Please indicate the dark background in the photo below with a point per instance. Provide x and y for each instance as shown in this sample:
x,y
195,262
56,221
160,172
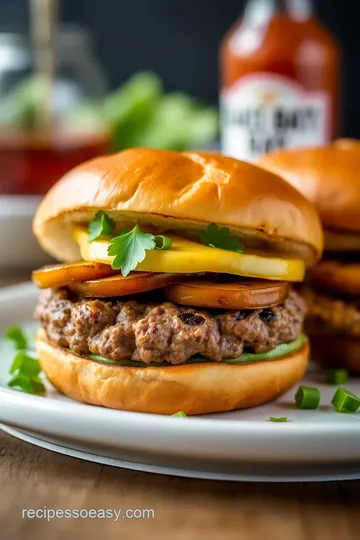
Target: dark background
x,y
179,40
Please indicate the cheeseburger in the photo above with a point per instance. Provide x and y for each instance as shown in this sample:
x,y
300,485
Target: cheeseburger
x,y
175,288
329,177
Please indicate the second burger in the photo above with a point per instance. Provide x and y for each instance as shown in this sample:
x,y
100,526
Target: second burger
x,y
329,177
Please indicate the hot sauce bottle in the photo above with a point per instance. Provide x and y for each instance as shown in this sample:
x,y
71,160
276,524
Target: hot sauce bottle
x,y
280,78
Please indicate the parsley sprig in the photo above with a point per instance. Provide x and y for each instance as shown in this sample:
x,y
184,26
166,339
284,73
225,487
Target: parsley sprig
x,y
101,225
26,371
129,248
25,368
220,237
17,336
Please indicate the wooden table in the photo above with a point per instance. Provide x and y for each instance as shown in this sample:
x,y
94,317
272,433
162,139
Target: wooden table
x,y
32,478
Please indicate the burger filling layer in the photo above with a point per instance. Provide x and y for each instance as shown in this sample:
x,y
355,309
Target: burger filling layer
x,y
333,296
165,332
327,313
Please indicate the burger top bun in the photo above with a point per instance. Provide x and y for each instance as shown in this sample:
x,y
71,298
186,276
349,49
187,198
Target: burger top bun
x,y
180,193
328,176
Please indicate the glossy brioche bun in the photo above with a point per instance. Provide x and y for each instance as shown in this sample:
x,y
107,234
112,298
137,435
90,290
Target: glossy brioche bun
x,y
180,193
327,176
334,351
193,388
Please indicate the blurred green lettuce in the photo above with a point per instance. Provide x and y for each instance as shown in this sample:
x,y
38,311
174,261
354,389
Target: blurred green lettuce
x,y
142,114
139,113
18,109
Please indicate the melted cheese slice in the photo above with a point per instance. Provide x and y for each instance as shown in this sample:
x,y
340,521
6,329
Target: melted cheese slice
x,y
188,257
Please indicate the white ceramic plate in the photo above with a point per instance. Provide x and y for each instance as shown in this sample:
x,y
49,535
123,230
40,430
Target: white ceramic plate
x,y
18,246
243,445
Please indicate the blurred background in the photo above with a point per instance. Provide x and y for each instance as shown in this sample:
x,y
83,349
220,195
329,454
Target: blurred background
x,y
79,78
179,40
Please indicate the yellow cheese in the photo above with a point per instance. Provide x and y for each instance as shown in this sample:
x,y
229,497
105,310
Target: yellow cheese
x,y
187,257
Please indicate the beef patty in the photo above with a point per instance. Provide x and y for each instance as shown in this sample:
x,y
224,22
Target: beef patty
x,y
127,329
331,314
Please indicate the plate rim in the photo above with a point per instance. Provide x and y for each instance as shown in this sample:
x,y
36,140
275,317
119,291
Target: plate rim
x,y
171,471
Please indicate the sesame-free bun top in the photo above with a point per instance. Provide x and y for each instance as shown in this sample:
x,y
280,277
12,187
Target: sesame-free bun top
x,y
180,193
328,176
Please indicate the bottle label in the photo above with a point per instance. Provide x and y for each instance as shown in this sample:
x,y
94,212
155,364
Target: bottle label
x,y
265,111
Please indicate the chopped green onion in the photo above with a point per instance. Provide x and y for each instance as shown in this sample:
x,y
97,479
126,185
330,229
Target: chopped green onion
x,y
17,336
337,376
345,401
278,419
162,242
307,397
181,414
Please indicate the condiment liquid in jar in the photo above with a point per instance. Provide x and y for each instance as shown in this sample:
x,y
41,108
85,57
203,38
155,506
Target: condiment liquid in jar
x,y
36,149
280,78
31,162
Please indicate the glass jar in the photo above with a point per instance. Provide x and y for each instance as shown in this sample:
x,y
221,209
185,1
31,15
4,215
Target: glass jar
x,y
32,156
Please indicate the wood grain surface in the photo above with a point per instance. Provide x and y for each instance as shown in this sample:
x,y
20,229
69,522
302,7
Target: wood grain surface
x,y
32,478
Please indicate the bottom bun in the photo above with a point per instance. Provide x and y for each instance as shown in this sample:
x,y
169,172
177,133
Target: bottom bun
x,y
336,351
192,388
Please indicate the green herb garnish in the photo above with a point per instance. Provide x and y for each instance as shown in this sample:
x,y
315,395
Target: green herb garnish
x,y
26,370
220,237
162,242
101,225
28,385
337,376
25,364
181,414
17,336
278,419
307,397
345,401
129,248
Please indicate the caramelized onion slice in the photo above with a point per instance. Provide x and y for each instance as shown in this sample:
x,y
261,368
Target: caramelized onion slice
x,y
134,283
239,294
59,275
